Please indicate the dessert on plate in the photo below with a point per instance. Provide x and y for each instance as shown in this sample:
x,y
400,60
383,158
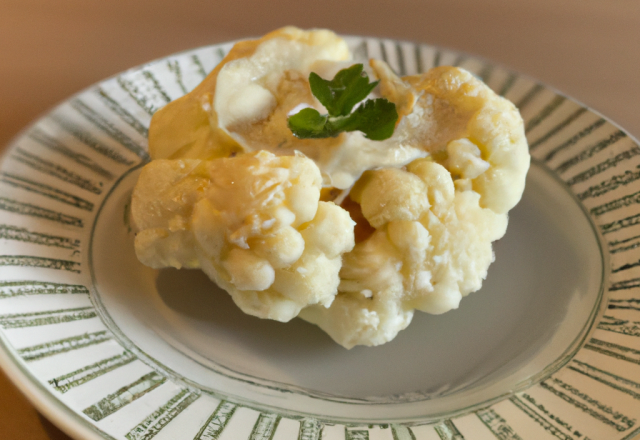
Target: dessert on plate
x,y
304,189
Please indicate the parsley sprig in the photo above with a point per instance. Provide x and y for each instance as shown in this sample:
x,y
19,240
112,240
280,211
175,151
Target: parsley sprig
x,y
376,118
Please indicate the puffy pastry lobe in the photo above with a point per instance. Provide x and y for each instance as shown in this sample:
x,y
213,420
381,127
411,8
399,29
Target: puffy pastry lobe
x,y
431,247
200,124
253,223
463,111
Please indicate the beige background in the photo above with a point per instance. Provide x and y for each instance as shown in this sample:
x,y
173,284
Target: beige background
x,y
589,49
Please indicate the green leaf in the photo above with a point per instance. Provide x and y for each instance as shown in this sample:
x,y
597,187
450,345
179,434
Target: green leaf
x,y
322,91
308,123
344,91
376,118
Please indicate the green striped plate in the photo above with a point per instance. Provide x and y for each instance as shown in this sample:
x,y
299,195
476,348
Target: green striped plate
x,y
109,349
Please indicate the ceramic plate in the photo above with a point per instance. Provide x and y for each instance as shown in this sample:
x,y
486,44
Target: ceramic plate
x,y
107,348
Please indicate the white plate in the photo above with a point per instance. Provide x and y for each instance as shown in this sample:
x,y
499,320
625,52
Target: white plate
x,y
548,349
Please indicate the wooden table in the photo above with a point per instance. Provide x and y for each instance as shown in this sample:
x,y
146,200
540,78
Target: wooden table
x,y
49,50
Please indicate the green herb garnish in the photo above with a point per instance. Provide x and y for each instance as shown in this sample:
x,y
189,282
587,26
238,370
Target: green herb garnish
x,y
376,118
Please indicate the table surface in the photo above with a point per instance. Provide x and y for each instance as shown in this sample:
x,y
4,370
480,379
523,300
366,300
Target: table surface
x,y
587,49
